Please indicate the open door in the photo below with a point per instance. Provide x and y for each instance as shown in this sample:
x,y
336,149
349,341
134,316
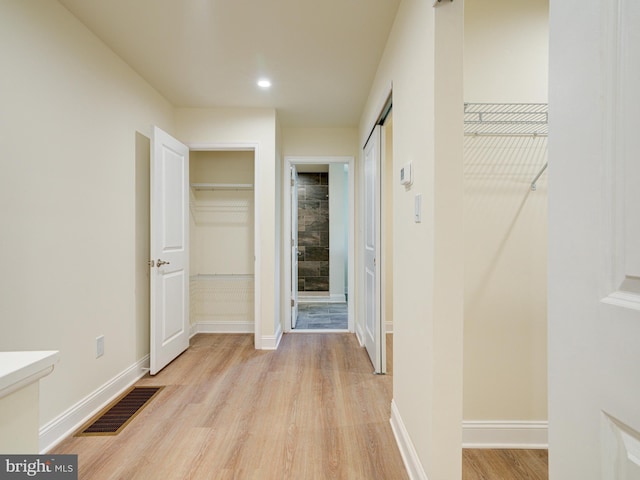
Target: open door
x,y
374,338
594,242
294,246
169,249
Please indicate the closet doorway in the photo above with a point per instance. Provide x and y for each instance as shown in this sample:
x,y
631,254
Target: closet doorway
x,y
505,224
222,241
318,226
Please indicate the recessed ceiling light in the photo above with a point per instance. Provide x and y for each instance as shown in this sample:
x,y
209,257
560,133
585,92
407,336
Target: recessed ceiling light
x,y
264,83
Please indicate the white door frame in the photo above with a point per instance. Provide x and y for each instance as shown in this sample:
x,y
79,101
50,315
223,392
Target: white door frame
x,y
302,160
385,107
247,147
373,326
294,251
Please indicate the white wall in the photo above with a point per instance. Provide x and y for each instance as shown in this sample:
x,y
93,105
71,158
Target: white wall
x,y
70,113
423,61
505,281
338,245
257,126
318,142
506,50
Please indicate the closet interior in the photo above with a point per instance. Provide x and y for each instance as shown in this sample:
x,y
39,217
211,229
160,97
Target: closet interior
x,y
505,158
222,241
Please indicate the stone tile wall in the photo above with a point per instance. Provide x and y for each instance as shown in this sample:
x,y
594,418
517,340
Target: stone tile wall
x,y
313,232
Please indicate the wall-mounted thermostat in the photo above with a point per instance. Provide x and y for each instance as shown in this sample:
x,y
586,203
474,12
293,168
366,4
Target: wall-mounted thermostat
x,y
405,174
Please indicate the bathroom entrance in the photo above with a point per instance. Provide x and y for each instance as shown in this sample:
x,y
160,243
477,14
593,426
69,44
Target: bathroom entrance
x,y
319,207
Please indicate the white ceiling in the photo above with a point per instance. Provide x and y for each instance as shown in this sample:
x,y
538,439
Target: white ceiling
x,y
321,55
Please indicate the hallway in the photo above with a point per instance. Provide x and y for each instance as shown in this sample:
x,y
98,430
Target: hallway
x,y
310,410
322,316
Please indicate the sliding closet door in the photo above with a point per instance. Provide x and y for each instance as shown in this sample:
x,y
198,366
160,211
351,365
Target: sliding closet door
x,y
373,333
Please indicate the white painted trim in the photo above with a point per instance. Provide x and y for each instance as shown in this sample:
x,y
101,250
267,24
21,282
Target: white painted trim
x,y
407,450
286,231
222,326
70,420
271,342
360,333
623,299
505,434
388,327
257,241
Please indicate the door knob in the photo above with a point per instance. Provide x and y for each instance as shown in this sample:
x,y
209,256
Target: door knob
x,y
159,263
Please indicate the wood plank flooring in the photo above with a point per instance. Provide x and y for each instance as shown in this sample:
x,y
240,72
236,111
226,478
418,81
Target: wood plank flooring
x,y
310,410
505,464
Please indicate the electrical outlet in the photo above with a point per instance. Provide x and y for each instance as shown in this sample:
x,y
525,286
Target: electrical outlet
x,y
99,346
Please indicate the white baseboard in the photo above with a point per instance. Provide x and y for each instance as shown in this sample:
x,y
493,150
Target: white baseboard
x,y
271,342
69,421
334,298
504,434
407,450
222,326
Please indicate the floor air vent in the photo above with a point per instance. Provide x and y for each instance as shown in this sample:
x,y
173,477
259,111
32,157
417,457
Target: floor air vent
x,y
117,415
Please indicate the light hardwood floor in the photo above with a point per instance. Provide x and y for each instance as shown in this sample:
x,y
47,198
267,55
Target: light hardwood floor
x,y
310,410
505,464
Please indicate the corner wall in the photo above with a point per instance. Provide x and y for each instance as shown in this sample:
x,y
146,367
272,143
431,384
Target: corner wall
x,y
423,62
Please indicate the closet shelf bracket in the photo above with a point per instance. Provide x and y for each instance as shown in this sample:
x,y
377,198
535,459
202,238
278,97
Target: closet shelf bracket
x,y
535,180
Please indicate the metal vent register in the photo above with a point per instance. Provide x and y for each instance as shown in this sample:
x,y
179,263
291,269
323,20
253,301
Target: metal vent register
x,y
117,415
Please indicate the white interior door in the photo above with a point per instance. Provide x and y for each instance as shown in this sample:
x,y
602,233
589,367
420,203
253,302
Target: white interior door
x,y
169,249
594,248
373,332
294,246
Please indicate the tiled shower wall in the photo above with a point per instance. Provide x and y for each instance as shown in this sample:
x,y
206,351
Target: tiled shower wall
x,y
313,232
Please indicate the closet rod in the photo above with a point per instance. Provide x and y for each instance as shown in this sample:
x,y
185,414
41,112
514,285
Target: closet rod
x,y
221,186
533,184
477,134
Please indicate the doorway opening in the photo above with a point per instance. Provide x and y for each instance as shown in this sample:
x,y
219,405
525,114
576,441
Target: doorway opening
x,y
222,236
318,220
505,224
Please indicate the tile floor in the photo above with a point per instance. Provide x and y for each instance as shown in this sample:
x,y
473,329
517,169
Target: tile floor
x,y
321,316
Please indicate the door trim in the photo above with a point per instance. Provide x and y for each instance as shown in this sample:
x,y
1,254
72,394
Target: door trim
x,y
286,232
255,148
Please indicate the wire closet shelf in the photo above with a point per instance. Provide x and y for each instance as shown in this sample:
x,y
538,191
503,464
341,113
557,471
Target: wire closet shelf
x,y
506,119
